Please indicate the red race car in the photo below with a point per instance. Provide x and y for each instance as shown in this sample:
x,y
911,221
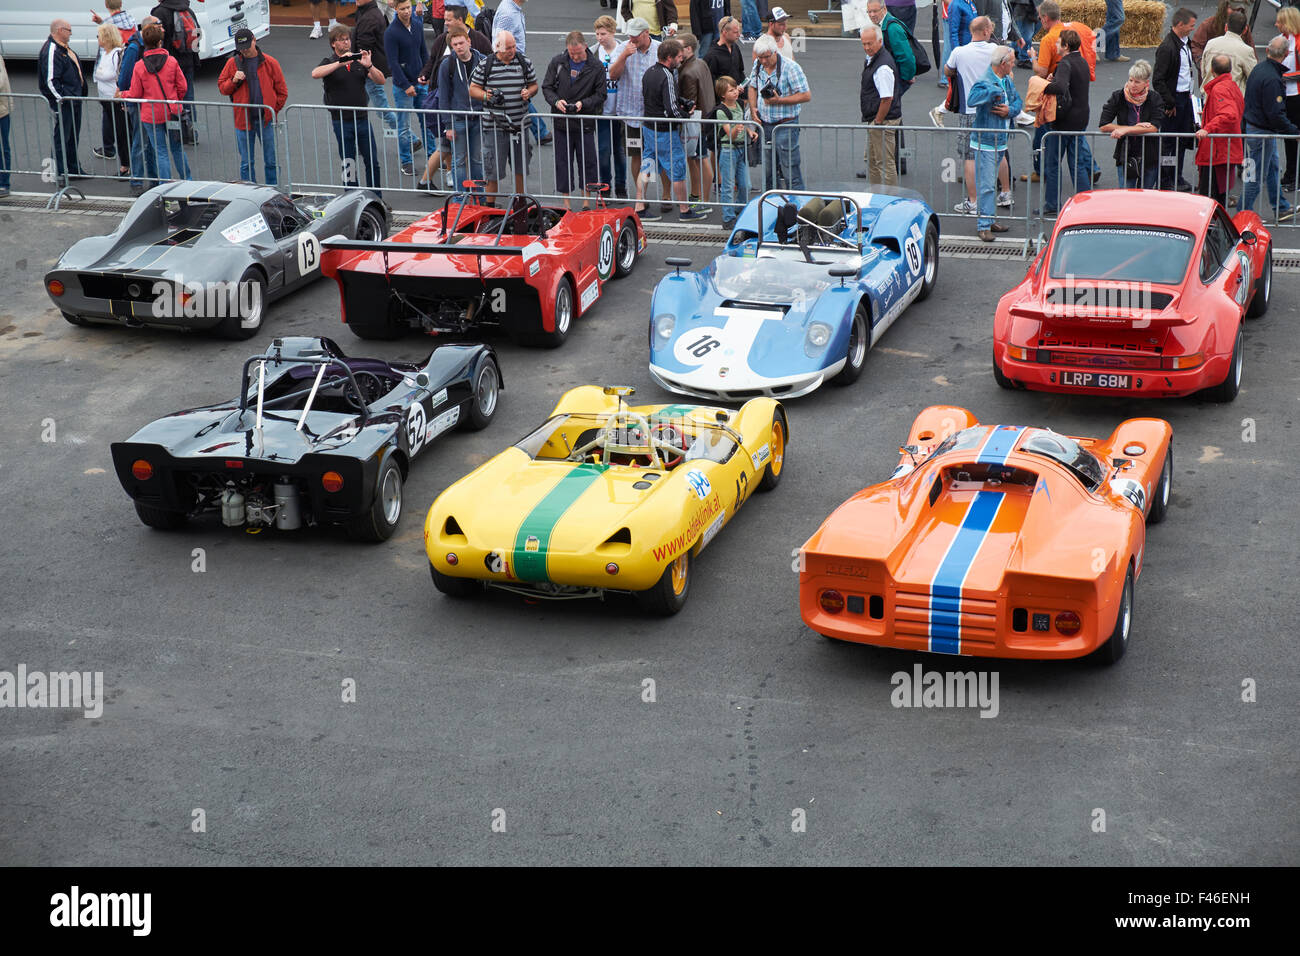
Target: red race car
x,y
1139,292
527,268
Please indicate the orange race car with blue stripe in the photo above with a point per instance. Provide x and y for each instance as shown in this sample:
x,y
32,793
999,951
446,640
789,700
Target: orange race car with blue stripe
x,y
993,541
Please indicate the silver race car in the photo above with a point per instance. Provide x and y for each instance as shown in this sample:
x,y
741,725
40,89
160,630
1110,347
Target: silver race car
x,y
207,255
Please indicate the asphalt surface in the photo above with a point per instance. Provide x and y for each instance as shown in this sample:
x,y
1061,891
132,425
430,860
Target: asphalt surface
x,y
225,687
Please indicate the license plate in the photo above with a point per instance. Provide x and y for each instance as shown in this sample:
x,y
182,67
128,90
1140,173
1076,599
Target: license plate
x,y
235,27
1094,380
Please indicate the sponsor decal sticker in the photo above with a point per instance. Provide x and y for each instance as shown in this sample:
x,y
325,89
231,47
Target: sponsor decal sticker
x,y
680,542
699,483
447,420
713,530
760,457
589,295
531,543
245,229
533,267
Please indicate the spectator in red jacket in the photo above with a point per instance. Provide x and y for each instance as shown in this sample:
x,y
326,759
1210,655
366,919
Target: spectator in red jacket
x,y
158,78
251,76
1217,158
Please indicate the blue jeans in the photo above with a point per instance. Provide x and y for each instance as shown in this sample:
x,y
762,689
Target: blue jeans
x,y
540,129
244,139
405,135
611,144
986,185
1262,156
1078,157
1026,28
352,133
782,148
1110,29
165,141
1145,181
6,159
378,94
706,41
905,13
733,181
466,151
751,24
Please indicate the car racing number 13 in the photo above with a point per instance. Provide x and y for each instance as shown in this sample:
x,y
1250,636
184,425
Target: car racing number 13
x,y
308,253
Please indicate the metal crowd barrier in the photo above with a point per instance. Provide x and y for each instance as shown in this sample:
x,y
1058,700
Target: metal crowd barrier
x,y
1164,160
313,151
928,159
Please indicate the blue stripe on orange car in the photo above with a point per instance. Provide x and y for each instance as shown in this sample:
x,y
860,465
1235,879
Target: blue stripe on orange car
x,y
534,535
1001,441
945,588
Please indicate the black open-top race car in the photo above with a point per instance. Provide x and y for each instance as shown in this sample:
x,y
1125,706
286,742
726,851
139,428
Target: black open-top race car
x,y
313,437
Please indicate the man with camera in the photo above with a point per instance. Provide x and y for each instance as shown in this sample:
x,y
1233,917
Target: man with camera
x,y
575,86
777,91
504,83
344,76
661,142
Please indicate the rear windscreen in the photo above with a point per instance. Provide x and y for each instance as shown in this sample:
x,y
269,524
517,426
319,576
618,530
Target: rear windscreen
x,y
1121,253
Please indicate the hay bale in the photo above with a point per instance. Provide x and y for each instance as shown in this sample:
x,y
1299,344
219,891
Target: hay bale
x,y
1144,24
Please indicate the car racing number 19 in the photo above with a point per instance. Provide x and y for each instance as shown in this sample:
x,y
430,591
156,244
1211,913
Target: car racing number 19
x,y
912,250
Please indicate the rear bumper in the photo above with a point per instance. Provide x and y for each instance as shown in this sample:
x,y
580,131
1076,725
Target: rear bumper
x,y
986,628
1144,383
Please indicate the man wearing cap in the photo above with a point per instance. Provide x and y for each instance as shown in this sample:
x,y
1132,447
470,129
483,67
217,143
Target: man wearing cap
x,y
627,67
251,76
776,30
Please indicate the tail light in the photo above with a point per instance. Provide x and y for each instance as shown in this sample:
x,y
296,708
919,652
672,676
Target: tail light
x,y
142,470
1068,623
55,287
611,568
332,481
1186,361
452,559
832,602
1019,353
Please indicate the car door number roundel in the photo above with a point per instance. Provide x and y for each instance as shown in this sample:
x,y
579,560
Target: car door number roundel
x,y
605,254
415,427
912,250
308,253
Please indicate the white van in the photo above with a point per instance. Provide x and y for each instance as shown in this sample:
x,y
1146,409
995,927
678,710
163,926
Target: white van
x,y
25,26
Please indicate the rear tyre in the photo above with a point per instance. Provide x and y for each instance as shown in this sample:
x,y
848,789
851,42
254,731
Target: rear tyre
x,y
859,342
776,461
625,254
1263,286
159,518
75,319
668,596
379,326
243,323
371,226
487,391
1114,649
1002,380
1227,390
1161,503
379,523
931,265
563,313
452,587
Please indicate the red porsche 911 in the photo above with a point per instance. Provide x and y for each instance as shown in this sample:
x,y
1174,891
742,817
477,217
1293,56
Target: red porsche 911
x,y
1139,292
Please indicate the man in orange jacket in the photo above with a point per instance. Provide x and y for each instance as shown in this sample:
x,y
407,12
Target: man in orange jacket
x,y
252,76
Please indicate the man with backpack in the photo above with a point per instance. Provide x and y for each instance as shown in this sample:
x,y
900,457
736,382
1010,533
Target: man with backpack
x,y
898,41
464,133
158,79
181,39
504,83
254,77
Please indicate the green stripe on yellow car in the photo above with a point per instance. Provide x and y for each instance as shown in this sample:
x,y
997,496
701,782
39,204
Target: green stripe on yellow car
x,y
534,535
673,411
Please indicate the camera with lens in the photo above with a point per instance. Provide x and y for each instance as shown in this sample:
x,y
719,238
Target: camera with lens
x,y
686,106
350,57
495,100
768,91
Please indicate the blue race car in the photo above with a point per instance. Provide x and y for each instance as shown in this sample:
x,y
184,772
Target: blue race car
x,y
808,282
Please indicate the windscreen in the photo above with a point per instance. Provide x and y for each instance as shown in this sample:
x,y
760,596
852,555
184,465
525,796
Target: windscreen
x,y
1083,464
758,280
1122,253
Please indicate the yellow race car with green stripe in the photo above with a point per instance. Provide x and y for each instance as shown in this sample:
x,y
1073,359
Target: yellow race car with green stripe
x,y
605,497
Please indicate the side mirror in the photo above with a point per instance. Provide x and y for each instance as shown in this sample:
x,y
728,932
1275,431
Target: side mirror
x,y
422,380
842,273
1248,237
678,263
909,450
